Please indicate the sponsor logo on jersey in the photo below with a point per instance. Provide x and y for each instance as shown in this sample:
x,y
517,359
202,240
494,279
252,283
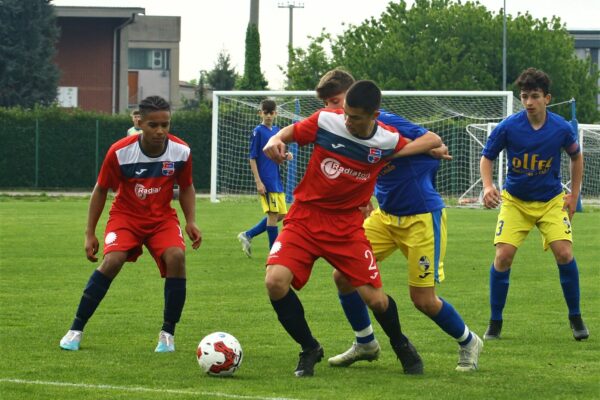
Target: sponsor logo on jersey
x,y
374,155
337,145
168,168
332,168
141,191
141,171
531,165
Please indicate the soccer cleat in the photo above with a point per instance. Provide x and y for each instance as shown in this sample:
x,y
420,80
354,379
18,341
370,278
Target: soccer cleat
x,y
245,241
308,359
468,355
580,331
358,352
166,343
71,340
411,361
493,330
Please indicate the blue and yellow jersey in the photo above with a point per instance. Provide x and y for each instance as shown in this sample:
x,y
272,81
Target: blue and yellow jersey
x,y
533,156
267,169
406,186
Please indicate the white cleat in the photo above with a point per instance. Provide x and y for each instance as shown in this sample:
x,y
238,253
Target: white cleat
x,y
245,241
71,340
358,352
468,355
166,343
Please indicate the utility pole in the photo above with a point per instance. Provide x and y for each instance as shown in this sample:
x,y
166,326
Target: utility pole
x,y
254,12
291,5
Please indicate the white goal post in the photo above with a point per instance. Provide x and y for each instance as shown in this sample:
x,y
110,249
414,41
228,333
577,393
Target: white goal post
x,y
447,113
463,119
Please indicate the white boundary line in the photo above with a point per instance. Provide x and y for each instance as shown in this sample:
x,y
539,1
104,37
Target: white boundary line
x,y
139,389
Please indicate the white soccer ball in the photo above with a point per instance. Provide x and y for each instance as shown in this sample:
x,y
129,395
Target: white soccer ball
x,y
219,354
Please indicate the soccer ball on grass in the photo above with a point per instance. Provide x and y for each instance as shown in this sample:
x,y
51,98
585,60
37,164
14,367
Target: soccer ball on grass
x,y
219,354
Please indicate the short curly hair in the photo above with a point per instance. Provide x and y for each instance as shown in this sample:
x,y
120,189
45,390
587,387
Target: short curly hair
x,y
532,79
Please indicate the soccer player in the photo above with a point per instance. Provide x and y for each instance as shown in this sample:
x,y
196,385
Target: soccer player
x,y
142,171
411,218
135,118
267,177
350,148
533,194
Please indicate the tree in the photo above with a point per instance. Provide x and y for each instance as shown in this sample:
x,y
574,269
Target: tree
x,y
222,76
253,78
447,45
28,75
307,66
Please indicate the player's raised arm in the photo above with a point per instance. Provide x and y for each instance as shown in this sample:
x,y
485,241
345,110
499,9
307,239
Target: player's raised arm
x,y
420,145
275,148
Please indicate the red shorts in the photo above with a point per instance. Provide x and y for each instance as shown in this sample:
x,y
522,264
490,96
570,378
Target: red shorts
x,y
123,233
309,233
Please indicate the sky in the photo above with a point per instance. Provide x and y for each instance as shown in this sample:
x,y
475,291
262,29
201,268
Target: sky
x,y
210,26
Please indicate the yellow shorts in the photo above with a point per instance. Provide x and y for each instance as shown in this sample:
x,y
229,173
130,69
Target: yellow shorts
x,y
273,202
517,217
421,237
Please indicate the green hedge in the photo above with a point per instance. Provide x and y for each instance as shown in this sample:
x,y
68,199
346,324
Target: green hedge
x,y
50,148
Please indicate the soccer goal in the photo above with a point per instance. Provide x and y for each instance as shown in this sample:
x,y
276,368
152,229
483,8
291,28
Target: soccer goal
x,y
455,116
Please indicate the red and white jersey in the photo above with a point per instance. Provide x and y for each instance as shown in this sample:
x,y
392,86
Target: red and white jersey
x,y
144,184
342,169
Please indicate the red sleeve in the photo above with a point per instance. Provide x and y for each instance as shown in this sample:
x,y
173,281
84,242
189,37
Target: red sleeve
x,y
110,173
401,143
185,176
305,131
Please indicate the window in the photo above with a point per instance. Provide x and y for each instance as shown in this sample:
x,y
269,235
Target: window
x,y
149,59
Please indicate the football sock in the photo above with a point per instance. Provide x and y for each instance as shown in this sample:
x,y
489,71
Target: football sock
x,y
498,291
93,294
272,231
291,315
257,229
174,300
357,314
569,280
452,323
390,322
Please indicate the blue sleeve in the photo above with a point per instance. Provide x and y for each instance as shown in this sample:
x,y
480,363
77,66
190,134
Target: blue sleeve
x,y
254,144
405,127
571,141
495,143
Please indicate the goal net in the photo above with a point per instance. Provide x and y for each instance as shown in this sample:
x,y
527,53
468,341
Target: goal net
x,y
455,116
463,120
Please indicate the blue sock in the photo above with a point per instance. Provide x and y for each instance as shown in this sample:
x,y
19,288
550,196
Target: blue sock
x,y
498,291
357,314
175,292
452,323
257,229
272,231
93,294
569,280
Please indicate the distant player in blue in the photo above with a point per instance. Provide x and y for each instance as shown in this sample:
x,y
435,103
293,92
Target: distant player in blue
x,y
411,218
533,194
267,177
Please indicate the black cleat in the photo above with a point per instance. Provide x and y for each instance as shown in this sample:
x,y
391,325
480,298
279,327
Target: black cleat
x,y
493,330
411,361
580,331
308,359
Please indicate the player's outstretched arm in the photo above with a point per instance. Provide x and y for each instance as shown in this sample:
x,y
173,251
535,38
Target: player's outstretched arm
x,y
570,200
97,201
275,148
491,195
187,200
420,145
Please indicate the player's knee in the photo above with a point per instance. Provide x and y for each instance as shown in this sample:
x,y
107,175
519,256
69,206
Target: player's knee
x,y
342,284
174,259
112,264
503,262
563,256
276,284
378,304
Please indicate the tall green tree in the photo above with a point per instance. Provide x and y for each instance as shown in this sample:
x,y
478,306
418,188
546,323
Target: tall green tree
x,y
28,75
223,75
253,78
448,45
308,65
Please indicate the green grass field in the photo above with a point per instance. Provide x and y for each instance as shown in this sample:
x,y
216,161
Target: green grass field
x,y
43,271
